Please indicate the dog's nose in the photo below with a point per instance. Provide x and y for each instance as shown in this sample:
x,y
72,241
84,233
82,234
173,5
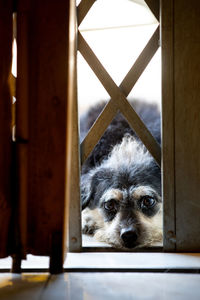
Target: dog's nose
x,y
129,237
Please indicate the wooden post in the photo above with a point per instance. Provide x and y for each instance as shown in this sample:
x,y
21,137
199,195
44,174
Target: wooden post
x,y
16,263
43,37
181,124
168,185
48,65
73,224
5,123
22,116
187,123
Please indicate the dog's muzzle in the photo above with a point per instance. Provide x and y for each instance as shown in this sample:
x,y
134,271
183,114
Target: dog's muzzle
x,y
129,236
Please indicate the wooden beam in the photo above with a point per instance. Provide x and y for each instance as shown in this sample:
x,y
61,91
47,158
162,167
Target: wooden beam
x,y
187,123
73,222
16,263
123,105
5,123
154,6
22,115
48,24
141,63
83,8
98,129
168,129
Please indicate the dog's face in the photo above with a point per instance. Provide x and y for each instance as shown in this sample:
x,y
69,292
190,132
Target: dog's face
x,y
122,199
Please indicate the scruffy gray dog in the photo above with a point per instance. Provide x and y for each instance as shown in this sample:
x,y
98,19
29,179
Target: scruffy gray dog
x,y
121,183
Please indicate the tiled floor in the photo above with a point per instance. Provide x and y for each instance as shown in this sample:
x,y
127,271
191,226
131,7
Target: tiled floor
x,y
88,286
104,284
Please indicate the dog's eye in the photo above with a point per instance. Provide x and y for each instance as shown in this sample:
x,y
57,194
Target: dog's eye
x,y
147,202
111,205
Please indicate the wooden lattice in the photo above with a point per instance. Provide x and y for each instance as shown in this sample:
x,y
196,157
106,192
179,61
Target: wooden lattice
x,y
118,95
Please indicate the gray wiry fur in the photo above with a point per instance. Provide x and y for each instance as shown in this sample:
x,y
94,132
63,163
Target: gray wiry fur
x,y
127,178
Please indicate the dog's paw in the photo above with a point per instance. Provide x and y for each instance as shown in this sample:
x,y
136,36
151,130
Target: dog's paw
x,y
89,221
88,226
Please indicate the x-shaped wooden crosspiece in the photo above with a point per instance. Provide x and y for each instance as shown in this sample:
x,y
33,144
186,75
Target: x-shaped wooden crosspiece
x,y
118,101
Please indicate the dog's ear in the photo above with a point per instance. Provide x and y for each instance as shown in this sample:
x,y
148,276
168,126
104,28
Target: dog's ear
x,y
86,189
90,187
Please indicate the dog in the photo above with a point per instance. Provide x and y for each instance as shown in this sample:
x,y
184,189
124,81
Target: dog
x,y
121,183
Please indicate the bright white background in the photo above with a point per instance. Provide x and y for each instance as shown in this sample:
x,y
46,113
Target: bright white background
x,y
117,31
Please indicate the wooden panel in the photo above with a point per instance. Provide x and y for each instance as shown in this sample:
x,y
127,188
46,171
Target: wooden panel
x,y
73,222
22,126
124,106
5,122
47,95
168,185
187,123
